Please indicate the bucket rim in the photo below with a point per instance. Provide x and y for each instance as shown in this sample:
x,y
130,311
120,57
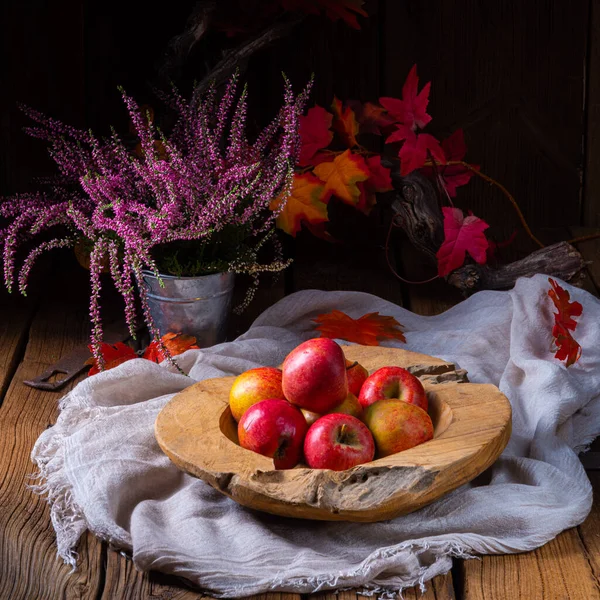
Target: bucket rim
x,y
147,273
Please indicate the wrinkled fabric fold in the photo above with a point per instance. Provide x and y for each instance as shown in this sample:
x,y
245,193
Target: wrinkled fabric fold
x,y
103,470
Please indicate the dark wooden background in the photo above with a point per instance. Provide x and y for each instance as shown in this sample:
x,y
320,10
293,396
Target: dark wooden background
x,y
521,78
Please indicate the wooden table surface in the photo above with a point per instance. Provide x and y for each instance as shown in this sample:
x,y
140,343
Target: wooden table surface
x,y
34,334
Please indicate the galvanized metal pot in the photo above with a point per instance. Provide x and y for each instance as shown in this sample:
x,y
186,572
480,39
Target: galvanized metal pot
x,y
197,306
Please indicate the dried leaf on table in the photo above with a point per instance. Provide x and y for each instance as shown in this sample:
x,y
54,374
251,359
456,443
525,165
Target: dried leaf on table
x,y
176,343
113,354
367,330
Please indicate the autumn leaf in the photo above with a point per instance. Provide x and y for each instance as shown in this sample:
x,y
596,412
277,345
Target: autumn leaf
x,y
379,181
461,235
567,348
342,175
415,148
346,10
371,117
367,330
113,354
345,123
307,203
315,133
176,343
453,176
411,110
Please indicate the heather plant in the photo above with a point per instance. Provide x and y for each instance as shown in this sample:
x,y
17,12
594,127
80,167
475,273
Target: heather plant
x,y
192,202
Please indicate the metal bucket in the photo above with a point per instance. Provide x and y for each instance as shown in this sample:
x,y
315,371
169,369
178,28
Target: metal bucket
x,y
197,306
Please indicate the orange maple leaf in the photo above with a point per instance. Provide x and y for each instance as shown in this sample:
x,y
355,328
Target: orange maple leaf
x,y
307,203
366,331
113,354
176,343
344,123
342,175
567,348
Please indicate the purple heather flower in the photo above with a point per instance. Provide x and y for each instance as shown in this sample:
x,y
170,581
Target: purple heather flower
x,y
185,186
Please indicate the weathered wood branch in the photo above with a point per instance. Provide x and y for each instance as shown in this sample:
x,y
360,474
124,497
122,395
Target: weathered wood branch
x,y
559,260
237,57
417,211
181,45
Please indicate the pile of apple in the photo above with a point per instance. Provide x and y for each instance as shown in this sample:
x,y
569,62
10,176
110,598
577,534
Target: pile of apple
x,y
328,409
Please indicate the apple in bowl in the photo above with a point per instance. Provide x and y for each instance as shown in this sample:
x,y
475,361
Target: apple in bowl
x,y
397,425
276,429
338,442
252,386
393,382
314,375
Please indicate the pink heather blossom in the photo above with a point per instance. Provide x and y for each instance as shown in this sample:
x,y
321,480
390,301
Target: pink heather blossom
x,y
204,176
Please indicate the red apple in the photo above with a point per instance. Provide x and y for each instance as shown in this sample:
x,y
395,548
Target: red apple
x,y
253,386
397,425
357,375
338,442
393,382
276,429
314,375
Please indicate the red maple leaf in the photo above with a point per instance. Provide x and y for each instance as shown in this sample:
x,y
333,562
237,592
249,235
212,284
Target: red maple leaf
x,y
176,343
334,9
567,348
345,123
113,354
379,181
411,111
367,330
371,117
415,148
453,176
461,235
315,133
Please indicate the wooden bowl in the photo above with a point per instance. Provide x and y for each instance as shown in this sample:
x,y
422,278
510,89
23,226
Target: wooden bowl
x,y
472,425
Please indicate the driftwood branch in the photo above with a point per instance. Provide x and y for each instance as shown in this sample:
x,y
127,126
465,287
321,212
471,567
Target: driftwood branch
x,y
417,210
559,260
181,45
237,57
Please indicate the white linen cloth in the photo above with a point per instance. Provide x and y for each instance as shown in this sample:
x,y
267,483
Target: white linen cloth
x,y
103,470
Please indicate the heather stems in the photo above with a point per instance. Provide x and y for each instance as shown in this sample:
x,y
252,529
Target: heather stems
x,y
130,206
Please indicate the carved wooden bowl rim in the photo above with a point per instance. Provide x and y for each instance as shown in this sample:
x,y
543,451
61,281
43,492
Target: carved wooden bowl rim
x,y
472,426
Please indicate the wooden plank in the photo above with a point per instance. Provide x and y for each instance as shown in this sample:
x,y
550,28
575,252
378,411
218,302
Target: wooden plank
x,y
511,74
589,530
15,320
560,569
29,567
591,180
123,581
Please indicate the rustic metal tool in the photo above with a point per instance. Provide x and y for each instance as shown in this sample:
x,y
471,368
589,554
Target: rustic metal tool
x,y
74,363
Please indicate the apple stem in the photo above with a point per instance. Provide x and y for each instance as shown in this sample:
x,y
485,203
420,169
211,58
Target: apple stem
x,y
352,365
342,436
